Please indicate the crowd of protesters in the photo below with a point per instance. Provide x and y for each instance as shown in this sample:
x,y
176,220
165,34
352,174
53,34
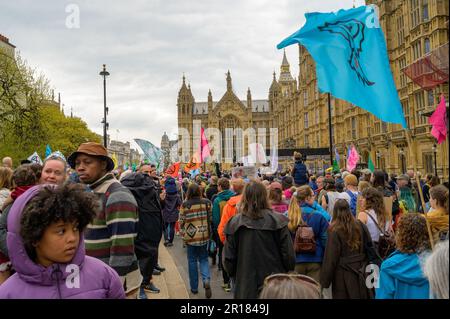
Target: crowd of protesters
x,y
342,235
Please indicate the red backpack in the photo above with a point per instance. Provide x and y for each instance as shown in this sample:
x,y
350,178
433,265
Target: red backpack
x,y
305,241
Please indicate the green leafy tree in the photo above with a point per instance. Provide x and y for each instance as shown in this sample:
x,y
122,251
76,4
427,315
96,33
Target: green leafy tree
x,y
22,92
29,119
64,133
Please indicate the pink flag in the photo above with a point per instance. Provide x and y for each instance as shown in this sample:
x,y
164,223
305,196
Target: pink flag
x,y
437,120
352,159
204,146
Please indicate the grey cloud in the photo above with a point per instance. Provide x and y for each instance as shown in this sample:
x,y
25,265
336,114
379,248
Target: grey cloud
x,y
147,45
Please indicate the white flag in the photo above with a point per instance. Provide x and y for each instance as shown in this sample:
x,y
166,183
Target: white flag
x,y
257,153
35,158
274,160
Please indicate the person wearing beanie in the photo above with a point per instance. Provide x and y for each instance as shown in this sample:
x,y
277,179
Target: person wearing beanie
x,y
110,237
351,188
171,205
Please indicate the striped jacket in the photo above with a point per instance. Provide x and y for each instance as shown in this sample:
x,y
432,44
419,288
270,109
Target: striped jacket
x,y
194,219
110,236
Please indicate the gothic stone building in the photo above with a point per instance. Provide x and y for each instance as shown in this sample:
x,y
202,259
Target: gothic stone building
x,y
230,113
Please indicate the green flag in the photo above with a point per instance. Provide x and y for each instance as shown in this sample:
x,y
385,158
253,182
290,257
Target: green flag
x,y
370,164
336,168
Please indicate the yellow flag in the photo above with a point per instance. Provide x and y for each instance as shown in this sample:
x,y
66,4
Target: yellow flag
x,y
114,158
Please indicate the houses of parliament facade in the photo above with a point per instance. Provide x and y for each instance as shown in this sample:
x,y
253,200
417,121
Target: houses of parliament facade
x,y
416,33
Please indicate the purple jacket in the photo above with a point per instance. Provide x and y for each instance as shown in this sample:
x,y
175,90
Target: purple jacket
x,y
84,278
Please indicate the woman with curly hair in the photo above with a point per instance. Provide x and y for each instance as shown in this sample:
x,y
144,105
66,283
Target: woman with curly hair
x,y
401,275
46,247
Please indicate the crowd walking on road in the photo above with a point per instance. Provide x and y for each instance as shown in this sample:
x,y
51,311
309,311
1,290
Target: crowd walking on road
x,y
77,222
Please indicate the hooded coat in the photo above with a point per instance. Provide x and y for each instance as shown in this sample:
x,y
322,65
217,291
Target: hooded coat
x,y
255,249
438,221
300,173
401,277
229,210
219,202
343,266
150,225
171,209
83,278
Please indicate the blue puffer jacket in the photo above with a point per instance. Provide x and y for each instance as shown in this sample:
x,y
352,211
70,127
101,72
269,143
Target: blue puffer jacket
x,y
300,173
401,277
318,223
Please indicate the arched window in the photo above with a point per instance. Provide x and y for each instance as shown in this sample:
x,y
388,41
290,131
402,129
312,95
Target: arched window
x,y
229,140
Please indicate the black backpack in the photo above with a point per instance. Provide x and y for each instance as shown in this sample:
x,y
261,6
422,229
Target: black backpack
x,y
386,242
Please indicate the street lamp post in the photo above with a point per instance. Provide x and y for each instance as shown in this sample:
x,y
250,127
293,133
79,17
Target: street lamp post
x,y
330,133
104,73
434,148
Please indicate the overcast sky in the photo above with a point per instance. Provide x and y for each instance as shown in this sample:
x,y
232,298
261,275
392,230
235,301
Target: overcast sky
x,y
147,45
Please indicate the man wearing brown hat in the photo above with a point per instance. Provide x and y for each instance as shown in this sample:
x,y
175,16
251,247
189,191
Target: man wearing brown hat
x,y
110,237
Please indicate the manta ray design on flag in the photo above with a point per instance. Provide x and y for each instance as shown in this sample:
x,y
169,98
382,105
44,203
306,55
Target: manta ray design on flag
x,y
351,59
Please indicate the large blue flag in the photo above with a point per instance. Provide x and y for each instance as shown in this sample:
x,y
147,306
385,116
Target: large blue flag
x,y
351,59
151,152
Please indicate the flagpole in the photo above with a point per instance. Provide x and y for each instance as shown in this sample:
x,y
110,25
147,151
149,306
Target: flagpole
x,y
329,129
409,138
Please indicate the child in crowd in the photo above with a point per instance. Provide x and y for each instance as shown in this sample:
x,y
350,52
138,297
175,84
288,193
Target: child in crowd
x,y
46,247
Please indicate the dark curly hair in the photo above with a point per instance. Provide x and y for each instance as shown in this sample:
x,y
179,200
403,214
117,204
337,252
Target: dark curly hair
x,y
24,175
412,234
69,203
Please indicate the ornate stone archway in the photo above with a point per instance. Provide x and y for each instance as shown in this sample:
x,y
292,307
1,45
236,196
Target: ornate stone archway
x,y
230,140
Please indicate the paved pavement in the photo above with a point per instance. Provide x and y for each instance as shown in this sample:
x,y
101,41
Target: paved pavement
x,y
178,254
170,283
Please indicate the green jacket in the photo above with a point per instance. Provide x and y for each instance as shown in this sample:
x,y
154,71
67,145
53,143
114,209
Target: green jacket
x,y
222,197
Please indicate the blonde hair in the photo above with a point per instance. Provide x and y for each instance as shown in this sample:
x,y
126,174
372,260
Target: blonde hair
x,y
238,185
6,177
290,286
363,185
294,211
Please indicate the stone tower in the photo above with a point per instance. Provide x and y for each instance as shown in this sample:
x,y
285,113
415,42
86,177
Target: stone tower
x,y
185,107
286,81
